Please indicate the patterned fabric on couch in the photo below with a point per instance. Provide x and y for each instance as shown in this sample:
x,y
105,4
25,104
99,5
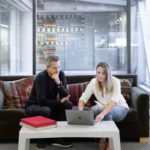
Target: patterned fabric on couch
x,y
16,92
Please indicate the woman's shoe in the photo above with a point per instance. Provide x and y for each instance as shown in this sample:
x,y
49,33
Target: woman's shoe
x,y
108,146
40,145
103,144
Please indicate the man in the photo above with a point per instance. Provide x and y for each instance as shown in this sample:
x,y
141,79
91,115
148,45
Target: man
x,y
49,97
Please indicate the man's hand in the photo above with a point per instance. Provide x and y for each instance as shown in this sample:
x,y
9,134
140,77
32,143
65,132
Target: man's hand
x,y
99,117
65,99
55,77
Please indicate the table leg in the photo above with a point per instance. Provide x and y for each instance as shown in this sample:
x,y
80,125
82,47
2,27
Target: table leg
x,y
23,143
116,141
111,145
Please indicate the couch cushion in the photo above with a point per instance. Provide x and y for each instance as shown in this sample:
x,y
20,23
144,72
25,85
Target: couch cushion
x,y
12,99
126,89
131,116
24,87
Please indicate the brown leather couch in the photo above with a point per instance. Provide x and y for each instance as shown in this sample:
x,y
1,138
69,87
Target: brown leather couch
x,y
134,126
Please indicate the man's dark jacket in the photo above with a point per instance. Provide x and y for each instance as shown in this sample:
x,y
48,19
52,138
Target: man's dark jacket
x,y
45,91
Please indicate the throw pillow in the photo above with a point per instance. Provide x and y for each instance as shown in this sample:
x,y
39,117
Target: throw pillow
x,y
1,99
126,89
2,89
24,87
75,90
11,94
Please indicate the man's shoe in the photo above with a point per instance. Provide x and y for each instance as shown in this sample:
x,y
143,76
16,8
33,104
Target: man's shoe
x,y
40,145
62,143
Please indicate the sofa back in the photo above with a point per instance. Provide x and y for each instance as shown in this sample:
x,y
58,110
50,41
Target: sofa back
x,y
78,78
17,88
83,78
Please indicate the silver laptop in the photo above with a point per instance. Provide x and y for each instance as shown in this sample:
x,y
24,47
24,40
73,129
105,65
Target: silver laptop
x,y
80,117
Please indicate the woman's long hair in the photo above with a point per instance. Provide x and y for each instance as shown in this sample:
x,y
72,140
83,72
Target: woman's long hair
x,y
107,72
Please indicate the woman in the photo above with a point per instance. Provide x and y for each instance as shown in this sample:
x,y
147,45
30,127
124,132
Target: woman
x,y
110,104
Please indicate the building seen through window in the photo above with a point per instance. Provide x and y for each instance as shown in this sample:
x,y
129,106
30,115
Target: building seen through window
x,y
81,34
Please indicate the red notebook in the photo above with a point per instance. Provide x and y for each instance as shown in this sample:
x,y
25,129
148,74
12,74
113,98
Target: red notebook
x,y
38,122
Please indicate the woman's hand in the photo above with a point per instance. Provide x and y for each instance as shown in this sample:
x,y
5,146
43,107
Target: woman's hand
x,y
99,117
106,110
81,105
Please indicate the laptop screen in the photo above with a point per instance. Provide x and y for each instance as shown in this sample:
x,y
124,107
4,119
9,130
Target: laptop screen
x,y
80,117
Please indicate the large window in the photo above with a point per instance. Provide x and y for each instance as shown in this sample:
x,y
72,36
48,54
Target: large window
x,y
140,40
82,33
15,37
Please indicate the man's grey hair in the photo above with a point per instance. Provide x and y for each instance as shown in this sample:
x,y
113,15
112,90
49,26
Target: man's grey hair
x,y
51,58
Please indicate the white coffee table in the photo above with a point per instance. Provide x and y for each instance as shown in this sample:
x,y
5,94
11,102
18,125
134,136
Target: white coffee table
x,y
103,129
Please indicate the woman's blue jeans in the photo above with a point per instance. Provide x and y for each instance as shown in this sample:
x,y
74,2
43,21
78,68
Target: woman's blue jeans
x,y
116,114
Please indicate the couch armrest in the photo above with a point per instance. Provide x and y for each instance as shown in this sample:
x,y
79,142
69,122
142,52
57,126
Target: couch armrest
x,y
140,102
12,113
9,123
